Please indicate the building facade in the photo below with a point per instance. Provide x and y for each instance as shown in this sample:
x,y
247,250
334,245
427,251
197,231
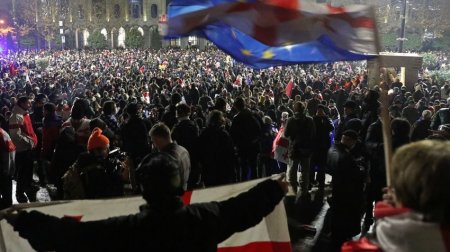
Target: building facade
x,y
75,20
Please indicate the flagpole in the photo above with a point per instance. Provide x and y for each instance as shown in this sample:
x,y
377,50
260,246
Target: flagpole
x,y
384,116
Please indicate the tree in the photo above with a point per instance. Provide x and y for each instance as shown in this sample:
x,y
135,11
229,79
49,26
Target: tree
x,y
156,40
97,40
134,39
41,16
27,42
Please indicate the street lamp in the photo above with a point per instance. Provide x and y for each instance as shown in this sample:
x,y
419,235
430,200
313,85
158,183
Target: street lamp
x,y
2,21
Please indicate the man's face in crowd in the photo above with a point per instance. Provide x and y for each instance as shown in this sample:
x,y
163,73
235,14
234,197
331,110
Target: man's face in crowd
x,y
101,152
348,142
25,105
320,112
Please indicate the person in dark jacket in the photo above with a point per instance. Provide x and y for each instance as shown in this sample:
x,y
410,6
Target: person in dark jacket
x,y
322,141
411,113
441,117
300,130
400,133
421,128
349,114
246,131
163,224
216,152
346,204
134,135
185,133
169,117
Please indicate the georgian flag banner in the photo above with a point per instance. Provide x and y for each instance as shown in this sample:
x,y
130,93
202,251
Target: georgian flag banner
x,y
270,235
264,33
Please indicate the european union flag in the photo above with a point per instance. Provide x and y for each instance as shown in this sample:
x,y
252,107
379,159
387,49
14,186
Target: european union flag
x,y
211,20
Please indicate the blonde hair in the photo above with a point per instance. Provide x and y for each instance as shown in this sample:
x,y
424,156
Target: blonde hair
x,y
421,178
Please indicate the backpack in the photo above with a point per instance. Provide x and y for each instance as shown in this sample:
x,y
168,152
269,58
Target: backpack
x,y
72,184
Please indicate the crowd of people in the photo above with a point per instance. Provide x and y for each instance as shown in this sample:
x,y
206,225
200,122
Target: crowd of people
x,y
85,122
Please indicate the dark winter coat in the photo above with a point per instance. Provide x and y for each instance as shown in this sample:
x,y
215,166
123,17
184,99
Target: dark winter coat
x,y
346,204
134,135
197,227
301,131
421,130
217,158
246,131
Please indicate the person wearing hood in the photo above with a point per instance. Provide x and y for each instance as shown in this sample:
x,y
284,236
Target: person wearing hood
x,y
415,215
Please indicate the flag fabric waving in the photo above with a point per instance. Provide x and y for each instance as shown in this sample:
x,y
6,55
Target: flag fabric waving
x,y
264,33
289,88
270,235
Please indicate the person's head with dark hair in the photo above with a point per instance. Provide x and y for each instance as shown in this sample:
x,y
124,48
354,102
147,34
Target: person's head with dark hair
x,y
400,128
215,119
350,107
354,124
158,175
160,135
239,103
49,109
321,110
349,138
175,99
182,110
24,103
132,109
299,107
109,108
220,104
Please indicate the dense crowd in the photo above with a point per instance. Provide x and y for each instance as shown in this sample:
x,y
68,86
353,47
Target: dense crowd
x,y
85,121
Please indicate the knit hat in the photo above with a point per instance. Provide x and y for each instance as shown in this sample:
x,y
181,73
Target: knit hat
x,y
97,140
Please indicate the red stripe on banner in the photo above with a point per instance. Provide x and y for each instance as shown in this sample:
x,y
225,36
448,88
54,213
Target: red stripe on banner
x,y
259,247
186,198
288,4
266,35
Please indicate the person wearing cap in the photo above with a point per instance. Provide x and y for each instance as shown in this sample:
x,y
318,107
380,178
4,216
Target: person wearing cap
x,y
349,113
163,223
347,170
99,176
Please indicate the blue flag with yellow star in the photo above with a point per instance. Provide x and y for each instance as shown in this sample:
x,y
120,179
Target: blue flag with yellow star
x,y
193,17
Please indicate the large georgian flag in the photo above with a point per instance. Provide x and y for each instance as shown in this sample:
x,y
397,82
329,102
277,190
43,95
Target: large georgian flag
x,y
264,33
270,235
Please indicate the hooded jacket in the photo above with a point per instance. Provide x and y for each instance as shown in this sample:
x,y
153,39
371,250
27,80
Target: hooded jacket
x,y
402,230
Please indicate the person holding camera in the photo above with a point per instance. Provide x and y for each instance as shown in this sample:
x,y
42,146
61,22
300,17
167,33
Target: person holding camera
x,y
94,175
